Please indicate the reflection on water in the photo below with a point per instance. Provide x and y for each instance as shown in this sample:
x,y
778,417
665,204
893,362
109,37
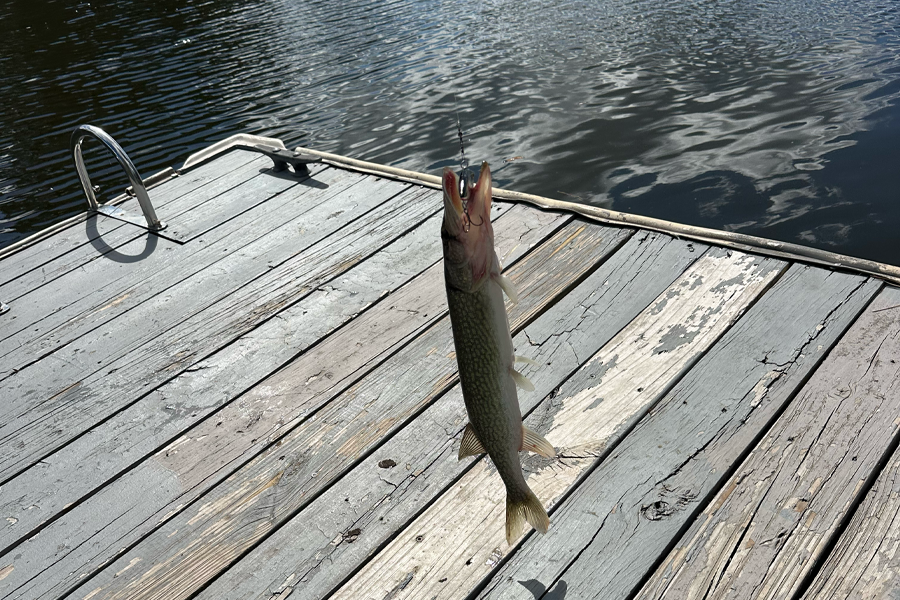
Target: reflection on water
x,y
775,118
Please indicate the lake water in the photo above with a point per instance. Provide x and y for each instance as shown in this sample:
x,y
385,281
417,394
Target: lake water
x,y
773,118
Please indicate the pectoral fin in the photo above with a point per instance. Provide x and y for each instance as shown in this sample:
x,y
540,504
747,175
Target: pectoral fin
x,y
534,442
521,380
526,360
508,288
470,444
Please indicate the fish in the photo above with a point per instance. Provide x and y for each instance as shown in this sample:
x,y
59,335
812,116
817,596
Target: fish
x,y
484,348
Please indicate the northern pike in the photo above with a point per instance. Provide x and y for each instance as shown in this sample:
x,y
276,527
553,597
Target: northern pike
x,y
484,349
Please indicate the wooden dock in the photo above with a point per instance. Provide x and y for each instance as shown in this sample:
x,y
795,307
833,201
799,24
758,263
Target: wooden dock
x,y
262,402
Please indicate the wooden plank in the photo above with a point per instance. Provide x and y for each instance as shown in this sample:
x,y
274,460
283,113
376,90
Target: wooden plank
x,y
217,206
207,454
770,523
104,289
460,538
76,302
375,498
79,244
80,301
248,287
638,501
865,562
62,479
76,246
121,287
195,188
199,542
180,193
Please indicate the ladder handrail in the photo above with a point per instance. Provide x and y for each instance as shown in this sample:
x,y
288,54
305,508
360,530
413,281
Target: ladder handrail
x,y
137,184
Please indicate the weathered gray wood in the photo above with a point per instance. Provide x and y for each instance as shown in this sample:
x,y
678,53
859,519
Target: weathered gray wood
x,y
262,278
466,526
186,190
217,206
120,287
375,498
203,540
66,476
53,249
625,515
81,243
206,183
76,302
209,453
80,301
770,523
865,562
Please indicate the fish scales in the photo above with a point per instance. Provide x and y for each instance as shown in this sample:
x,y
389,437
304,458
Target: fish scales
x,y
484,358
484,351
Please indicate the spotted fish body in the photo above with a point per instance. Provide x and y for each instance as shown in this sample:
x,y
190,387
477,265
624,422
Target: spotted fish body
x,y
484,350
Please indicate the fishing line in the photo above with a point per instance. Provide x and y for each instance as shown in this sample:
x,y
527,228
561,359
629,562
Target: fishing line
x,y
466,176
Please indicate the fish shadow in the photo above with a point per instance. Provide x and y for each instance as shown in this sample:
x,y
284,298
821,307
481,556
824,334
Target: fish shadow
x,y
539,592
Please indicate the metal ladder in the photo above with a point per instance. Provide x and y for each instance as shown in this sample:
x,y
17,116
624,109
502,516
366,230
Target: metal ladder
x,y
137,184
271,147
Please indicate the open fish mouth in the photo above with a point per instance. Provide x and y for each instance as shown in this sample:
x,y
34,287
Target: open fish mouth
x,y
473,209
467,231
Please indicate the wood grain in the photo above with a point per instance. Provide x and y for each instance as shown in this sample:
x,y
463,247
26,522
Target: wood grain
x,y
363,510
78,245
36,265
775,516
460,538
62,479
120,279
195,545
623,518
208,453
865,562
160,338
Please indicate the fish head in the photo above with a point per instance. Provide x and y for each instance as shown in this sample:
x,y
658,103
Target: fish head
x,y
467,234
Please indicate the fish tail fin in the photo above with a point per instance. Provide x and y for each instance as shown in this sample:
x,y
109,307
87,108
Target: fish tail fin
x,y
521,508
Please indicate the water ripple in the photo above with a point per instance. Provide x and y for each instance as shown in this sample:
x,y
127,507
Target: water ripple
x,y
772,118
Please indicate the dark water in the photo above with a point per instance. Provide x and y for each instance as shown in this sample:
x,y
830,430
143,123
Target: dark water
x,y
774,118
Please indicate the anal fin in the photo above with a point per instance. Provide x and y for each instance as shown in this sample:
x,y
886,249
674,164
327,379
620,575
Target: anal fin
x,y
535,442
470,444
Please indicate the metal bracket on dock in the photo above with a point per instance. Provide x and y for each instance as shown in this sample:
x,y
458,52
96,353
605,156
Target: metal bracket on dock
x,y
282,157
137,184
271,147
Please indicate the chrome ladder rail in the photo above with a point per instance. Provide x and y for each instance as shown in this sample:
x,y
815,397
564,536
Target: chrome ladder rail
x,y
137,184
